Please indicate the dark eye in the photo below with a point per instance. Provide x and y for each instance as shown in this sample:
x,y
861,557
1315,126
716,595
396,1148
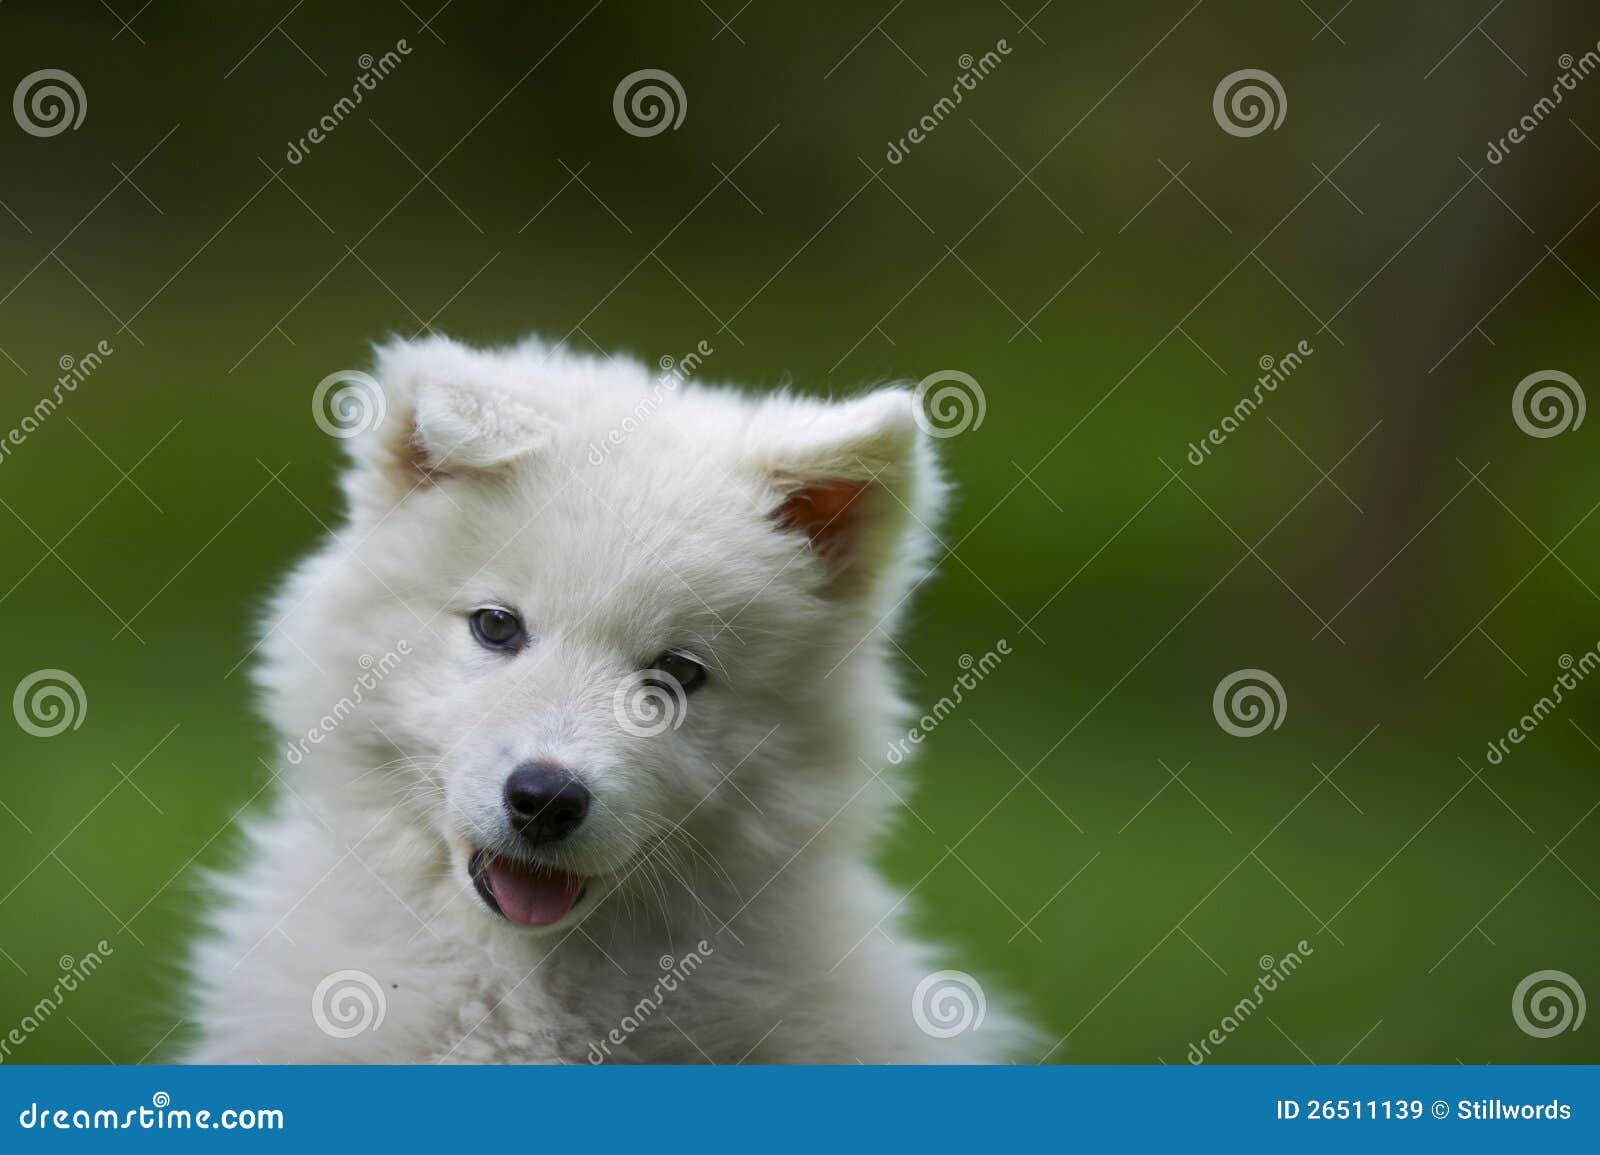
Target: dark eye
x,y
498,629
682,669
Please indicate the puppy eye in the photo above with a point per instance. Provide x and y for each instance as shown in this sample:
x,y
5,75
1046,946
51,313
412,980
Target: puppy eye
x,y
497,628
682,669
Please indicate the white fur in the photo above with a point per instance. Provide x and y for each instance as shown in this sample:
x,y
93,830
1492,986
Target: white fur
x,y
484,485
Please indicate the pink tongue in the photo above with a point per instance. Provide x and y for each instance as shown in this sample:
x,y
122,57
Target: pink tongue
x,y
532,898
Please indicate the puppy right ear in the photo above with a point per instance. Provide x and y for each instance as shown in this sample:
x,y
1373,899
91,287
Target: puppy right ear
x,y
432,410
858,480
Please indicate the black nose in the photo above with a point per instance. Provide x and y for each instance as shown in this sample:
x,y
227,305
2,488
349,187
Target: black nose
x,y
545,802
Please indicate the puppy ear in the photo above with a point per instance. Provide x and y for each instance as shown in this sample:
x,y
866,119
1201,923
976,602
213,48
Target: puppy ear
x,y
460,427
857,480
441,410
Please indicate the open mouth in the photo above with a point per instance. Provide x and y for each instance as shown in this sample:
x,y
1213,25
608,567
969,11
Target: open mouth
x,y
523,894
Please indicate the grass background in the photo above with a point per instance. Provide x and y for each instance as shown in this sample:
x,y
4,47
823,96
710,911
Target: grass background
x,y
1038,240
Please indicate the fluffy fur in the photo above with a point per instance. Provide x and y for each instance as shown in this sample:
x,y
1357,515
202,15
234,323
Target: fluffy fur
x,y
622,517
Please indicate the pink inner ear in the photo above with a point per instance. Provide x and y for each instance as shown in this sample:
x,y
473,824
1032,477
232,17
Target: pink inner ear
x,y
828,512
412,458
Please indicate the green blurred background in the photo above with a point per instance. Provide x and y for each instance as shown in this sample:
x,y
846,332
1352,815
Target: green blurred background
x,y
1082,238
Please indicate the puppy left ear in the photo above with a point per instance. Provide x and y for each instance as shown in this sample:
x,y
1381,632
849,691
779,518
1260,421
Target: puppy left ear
x,y
857,479
460,427
446,411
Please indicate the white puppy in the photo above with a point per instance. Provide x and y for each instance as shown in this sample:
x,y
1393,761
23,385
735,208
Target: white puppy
x,y
584,713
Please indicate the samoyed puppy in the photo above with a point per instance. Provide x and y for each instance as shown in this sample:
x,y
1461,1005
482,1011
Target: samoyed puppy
x,y
583,712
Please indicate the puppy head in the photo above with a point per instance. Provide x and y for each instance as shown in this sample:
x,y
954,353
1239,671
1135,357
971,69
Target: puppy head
x,y
643,619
